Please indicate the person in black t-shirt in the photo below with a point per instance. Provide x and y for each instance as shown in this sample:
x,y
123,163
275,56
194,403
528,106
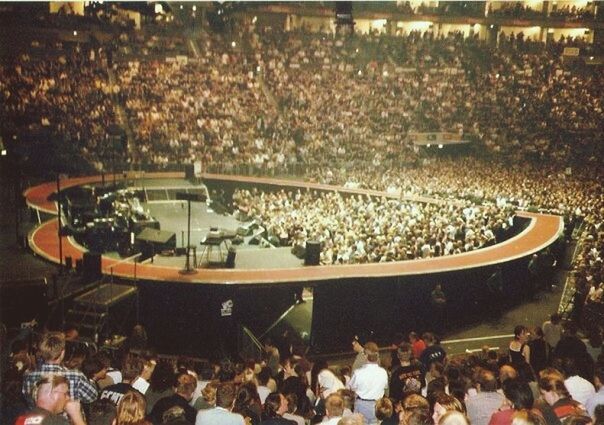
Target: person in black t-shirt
x,y
408,377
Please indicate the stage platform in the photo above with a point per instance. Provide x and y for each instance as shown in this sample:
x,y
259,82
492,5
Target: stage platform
x,y
383,297
278,266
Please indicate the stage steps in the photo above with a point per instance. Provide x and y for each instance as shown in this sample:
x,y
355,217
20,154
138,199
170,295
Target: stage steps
x,y
93,313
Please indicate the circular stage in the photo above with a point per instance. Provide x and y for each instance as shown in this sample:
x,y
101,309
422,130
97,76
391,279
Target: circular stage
x,y
542,231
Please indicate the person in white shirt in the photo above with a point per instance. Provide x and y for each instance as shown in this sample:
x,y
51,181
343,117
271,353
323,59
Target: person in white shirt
x,y
369,382
552,331
597,398
580,389
221,414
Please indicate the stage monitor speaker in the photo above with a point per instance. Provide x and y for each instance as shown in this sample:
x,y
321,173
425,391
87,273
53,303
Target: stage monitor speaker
x,y
313,253
189,171
153,241
230,260
92,266
157,237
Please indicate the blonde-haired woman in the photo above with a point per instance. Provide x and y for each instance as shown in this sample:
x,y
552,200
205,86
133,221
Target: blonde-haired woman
x,y
131,409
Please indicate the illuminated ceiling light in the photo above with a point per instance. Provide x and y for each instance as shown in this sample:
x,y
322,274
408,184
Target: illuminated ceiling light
x,y
194,8
440,146
254,19
181,7
3,152
233,44
385,73
360,72
428,145
75,33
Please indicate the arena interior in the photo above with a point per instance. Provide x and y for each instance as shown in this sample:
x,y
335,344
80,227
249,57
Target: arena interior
x,y
204,203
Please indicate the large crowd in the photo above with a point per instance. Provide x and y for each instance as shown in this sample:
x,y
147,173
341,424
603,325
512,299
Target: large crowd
x,y
547,375
342,109
359,229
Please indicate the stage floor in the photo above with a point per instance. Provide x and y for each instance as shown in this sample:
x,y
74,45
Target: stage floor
x,y
173,218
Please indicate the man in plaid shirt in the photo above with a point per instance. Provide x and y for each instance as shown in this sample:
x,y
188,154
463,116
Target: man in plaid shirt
x,y
52,351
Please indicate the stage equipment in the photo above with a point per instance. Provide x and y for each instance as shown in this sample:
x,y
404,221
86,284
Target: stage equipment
x,y
189,197
92,266
313,253
153,241
216,240
230,260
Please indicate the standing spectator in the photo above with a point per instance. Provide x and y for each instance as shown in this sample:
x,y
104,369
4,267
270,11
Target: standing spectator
x,y
360,358
369,382
221,414
555,394
292,405
407,377
384,412
597,398
552,331
51,395
183,393
438,300
446,403
417,344
132,367
52,351
518,397
131,410
486,401
433,352
334,408
272,356
580,389
274,409
247,403
538,350
519,349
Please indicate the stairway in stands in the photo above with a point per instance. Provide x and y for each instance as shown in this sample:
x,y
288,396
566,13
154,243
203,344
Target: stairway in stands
x,y
120,114
103,311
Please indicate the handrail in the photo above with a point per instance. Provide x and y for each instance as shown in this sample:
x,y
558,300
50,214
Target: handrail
x,y
252,337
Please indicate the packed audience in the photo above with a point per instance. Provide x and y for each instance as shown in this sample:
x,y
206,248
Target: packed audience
x,y
358,229
547,375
